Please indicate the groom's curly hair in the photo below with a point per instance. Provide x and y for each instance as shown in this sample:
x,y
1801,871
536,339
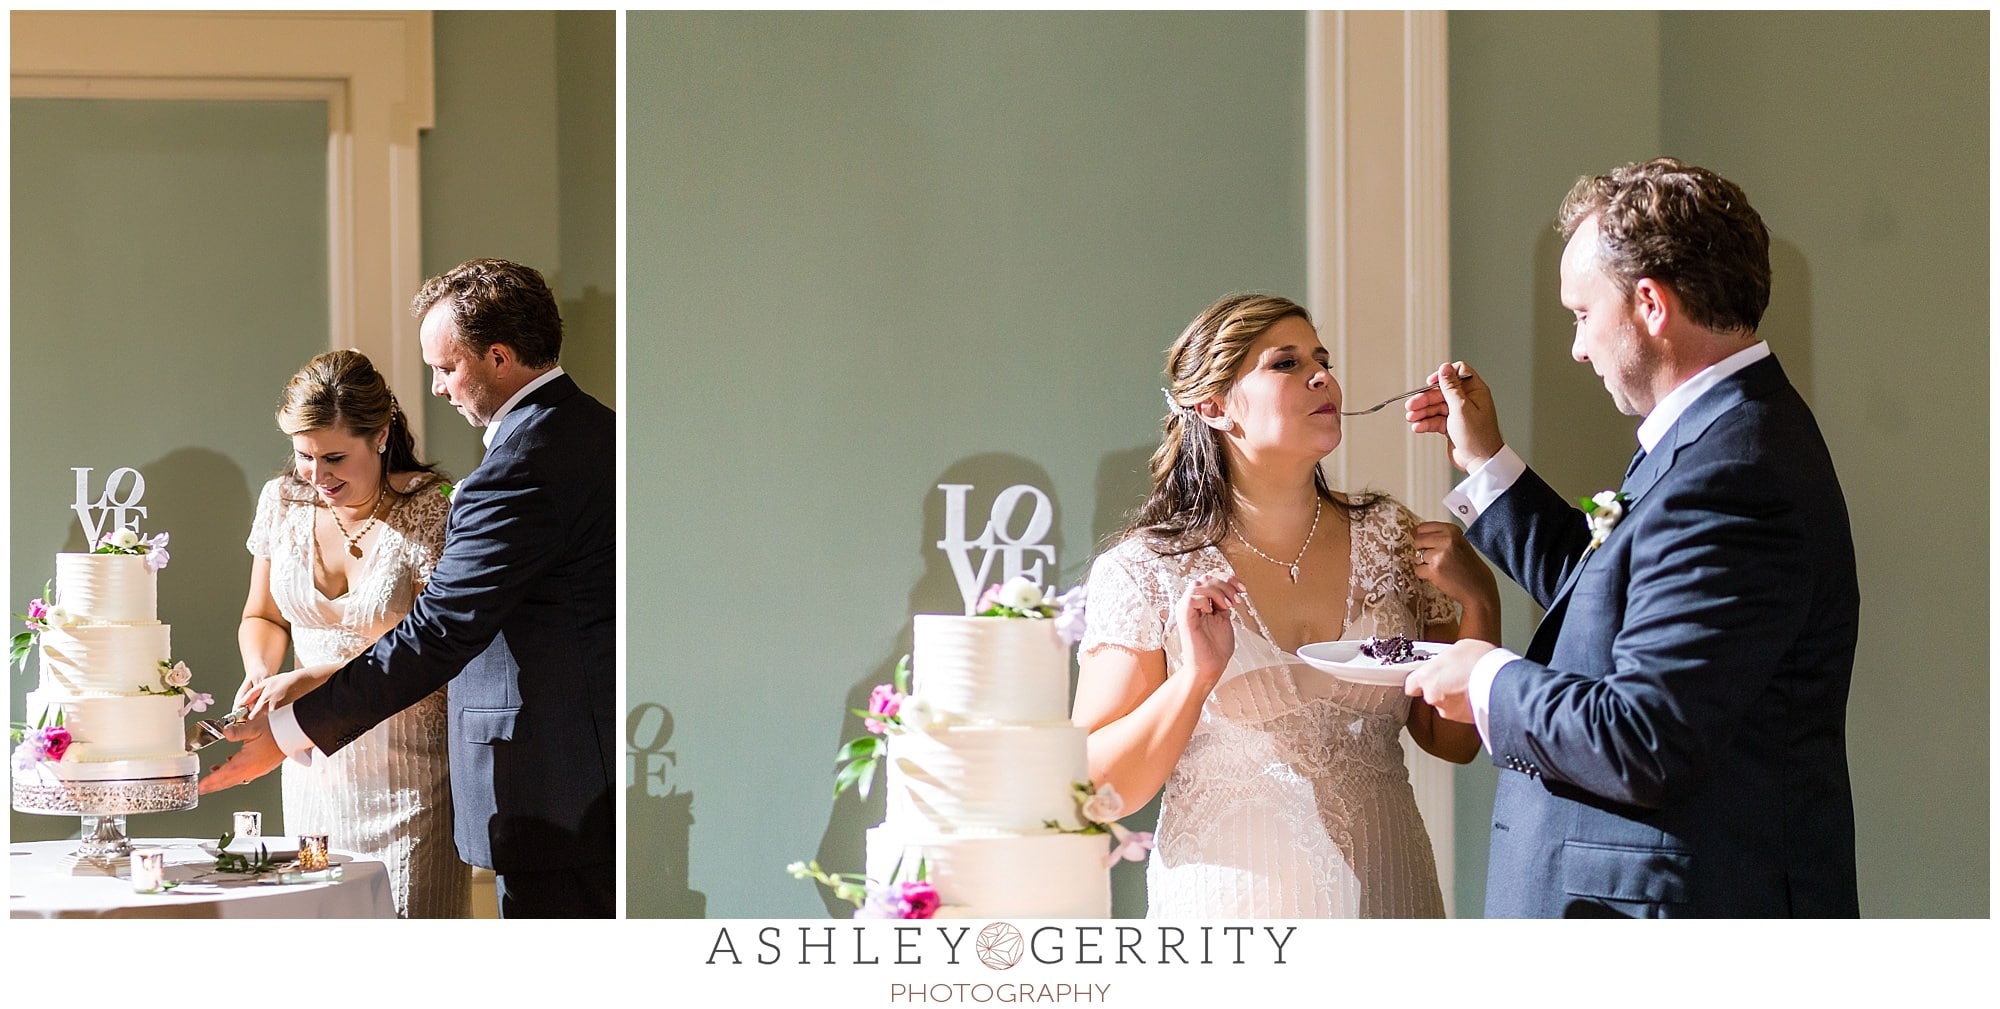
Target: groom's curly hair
x,y
495,301
1685,227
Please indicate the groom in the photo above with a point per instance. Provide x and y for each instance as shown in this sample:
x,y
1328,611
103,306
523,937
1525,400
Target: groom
x,y
1673,740
519,616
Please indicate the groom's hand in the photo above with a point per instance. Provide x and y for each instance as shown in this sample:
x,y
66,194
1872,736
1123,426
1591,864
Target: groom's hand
x,y
1461,409
1442,681
259,756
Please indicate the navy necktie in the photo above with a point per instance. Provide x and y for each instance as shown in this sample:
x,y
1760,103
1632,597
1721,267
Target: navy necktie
x,y
1637,458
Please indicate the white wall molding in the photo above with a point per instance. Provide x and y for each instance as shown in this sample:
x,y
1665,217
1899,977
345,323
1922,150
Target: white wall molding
x,y
374,72
1378,268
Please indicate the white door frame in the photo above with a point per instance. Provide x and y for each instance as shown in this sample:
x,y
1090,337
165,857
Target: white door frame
x,y
374,72
1378,268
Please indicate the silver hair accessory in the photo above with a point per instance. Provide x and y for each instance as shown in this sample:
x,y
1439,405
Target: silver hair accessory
x,y
1172,407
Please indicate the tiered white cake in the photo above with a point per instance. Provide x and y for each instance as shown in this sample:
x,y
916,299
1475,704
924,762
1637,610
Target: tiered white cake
x,y
101,670
974,782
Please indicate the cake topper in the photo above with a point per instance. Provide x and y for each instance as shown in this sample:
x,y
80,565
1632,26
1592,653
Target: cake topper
x,y
124,511
997,539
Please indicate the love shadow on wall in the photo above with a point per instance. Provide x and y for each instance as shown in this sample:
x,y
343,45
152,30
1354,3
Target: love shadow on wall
x,y
659,820
987,502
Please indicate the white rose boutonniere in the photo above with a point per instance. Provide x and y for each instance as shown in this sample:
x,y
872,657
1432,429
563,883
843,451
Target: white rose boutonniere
x,y
1602,511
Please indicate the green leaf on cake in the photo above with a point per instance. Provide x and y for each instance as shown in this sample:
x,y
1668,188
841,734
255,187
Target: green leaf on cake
x,y
856,749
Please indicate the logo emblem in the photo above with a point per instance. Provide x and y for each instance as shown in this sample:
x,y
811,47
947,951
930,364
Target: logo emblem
x,y
999,945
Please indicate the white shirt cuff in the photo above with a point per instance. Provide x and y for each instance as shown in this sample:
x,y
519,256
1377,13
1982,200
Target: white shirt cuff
x,y
1479,689
1485,485
290,738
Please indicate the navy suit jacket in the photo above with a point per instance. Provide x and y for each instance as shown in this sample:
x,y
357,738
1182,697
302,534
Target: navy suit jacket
x,y
520,618
1673,742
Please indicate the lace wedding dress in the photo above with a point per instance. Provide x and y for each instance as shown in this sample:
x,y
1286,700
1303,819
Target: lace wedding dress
x,y
1292,799
386,795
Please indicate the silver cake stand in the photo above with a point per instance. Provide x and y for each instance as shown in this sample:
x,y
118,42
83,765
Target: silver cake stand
x,y
104,802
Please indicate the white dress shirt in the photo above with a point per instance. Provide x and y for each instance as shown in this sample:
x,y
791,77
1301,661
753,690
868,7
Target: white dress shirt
x,y
1484,486
285,729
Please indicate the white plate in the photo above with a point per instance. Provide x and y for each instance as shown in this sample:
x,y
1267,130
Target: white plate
x,y
1344,660
278,847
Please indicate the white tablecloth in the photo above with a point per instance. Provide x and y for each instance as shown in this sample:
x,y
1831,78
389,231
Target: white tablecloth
x,y
39,885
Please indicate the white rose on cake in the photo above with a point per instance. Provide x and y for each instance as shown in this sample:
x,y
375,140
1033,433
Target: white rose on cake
x,y
123,539
1021,594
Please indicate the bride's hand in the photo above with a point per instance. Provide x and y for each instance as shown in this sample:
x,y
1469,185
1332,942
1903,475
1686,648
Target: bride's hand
x,y
280,689
1447,561
250,681
1202,616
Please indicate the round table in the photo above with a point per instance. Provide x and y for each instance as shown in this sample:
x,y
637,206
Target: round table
x,y
41,885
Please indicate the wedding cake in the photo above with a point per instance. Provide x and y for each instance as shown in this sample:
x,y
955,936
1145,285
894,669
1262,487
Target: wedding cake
x,y
110,705
987,777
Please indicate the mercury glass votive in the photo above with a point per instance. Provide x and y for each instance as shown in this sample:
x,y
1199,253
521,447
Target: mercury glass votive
x,y
312,852
149,871
249,823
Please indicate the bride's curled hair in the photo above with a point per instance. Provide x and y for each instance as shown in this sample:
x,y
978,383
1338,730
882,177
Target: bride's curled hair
x,y
1190,505
342,389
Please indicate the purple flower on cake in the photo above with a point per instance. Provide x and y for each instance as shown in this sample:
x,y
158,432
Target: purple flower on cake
x,y
1069,615
1132,845
883,703
156,551
196,702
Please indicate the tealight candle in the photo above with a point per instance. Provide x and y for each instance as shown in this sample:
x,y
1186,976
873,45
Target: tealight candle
x,y
249,823
149,871
312,852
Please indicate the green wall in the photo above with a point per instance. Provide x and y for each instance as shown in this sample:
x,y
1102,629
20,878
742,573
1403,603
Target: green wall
x,y
1862,139
872,254
522,165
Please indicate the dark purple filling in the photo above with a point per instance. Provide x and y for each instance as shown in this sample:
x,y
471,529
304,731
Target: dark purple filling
x,y
1393,650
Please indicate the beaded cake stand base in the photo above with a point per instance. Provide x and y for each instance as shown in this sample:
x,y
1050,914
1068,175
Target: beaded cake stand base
x,y
104,846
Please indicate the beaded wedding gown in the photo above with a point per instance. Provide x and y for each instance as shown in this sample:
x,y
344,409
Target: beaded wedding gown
x,y
1292,799
386,795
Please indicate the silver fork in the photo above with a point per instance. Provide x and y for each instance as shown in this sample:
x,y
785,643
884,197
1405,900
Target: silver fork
x,y
1398,398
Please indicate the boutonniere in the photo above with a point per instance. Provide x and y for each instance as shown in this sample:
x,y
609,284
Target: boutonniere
x,y
1602,512
445,489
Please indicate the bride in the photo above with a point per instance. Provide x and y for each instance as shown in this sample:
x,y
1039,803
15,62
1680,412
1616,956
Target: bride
x,y
344,540
1286,794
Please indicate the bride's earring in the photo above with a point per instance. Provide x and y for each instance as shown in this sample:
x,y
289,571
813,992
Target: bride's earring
x,y
1224,424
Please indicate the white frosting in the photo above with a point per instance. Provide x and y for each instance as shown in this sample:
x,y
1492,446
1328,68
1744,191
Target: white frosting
x,y
107,588
94,669
970,799
992,668
1004,876
985,778
146,727
99,659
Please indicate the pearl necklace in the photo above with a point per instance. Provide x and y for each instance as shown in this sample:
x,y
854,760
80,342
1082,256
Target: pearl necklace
x,y
1294,565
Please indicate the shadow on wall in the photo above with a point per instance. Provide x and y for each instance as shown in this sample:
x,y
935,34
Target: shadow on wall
x,y
204,502
659,821
842,845
590,344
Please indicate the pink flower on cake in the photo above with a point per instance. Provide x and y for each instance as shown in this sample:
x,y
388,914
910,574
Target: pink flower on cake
x,y
55,742
177,675
900,900
38,611
1104,804
883,703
